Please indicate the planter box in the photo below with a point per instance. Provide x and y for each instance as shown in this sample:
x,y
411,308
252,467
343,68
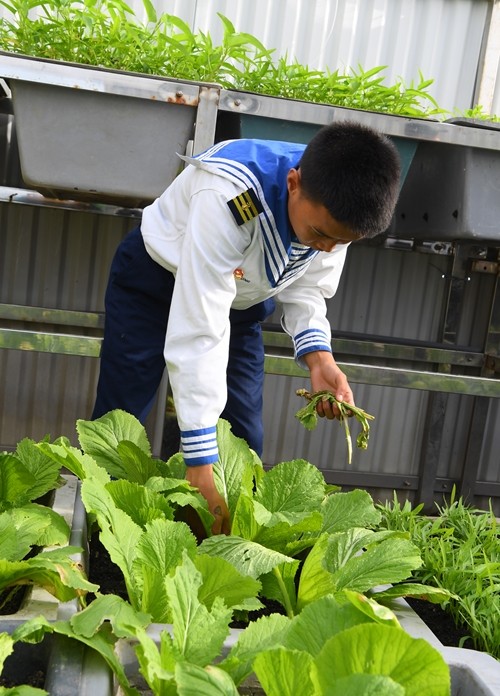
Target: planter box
x,y
91,134
450,171
275,118
65,666
73,670
453,192
473,673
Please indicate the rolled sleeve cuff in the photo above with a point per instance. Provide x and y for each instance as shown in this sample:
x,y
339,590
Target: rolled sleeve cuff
x,y
199,447
309,341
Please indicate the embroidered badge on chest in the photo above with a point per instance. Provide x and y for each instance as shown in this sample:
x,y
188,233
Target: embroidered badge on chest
x,y
245,207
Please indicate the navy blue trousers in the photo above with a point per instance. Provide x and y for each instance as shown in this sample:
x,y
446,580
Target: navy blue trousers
x,y
137,306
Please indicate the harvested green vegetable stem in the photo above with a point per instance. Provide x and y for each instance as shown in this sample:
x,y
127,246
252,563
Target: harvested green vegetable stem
x,y
308,417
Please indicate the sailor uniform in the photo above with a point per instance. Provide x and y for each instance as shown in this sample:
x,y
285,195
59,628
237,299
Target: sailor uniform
x,y
219,244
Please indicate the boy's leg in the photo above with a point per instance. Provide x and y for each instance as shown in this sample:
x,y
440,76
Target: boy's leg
x,y
245,374
137,304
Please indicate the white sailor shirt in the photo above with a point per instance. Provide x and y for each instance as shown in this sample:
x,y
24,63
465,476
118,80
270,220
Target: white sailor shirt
x,y
222,229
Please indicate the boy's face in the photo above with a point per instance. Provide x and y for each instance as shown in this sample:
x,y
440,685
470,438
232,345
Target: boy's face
x,y
311,222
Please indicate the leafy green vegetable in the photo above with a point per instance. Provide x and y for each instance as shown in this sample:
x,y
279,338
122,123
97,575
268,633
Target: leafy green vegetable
x,y
293,539
331,644
460,552
26,475
6,648
383,651
28,526
53,570
309,418
108,34
300,542
116,441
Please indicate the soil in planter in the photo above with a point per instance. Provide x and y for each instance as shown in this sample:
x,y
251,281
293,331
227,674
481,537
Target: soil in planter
x,y
11,600
441,624
109,577
103,572
26,666
36,679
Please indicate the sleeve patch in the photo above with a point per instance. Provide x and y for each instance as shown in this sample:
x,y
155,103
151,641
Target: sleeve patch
x,y
245,207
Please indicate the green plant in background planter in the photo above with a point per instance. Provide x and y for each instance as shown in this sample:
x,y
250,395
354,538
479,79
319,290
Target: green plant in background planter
x,y
460,551
107,34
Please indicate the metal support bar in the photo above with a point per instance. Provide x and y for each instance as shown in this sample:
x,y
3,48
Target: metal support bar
x,y
380,347
436,408
9,194
75,344
63,344
429,455
481,405
395,377
410,484
45,315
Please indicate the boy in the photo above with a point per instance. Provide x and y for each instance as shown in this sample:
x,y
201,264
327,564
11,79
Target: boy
x,y
247,222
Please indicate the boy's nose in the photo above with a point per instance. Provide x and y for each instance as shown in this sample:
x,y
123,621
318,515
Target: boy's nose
x,y
328,245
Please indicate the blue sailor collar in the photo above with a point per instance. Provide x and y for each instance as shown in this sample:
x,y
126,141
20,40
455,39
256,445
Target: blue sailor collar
x,y
261,168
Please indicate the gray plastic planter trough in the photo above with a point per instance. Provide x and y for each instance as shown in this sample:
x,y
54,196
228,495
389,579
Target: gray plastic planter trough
x,y
452,192
450,170
101,135
64,662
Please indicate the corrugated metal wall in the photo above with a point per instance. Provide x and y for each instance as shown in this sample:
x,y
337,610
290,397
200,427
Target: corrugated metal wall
x,y
60,259
389,293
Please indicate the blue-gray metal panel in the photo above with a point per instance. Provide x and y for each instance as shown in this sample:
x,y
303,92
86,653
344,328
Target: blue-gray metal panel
x,y
390,293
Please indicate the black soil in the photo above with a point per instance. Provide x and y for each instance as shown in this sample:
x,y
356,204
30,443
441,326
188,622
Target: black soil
x,y
441,624
109,577
103,572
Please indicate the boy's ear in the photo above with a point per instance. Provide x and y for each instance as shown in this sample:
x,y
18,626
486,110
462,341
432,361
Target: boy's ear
x,y
293,180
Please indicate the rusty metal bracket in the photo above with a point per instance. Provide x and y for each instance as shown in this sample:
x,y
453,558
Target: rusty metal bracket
x,y
492,362
484,266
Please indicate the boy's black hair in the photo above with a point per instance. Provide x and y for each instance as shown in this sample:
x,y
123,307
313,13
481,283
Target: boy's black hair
x,y
353,171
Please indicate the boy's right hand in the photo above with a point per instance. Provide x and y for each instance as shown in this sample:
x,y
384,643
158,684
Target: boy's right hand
x,y
202,478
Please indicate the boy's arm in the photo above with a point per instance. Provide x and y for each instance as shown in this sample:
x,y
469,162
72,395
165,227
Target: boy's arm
x,y
202,478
